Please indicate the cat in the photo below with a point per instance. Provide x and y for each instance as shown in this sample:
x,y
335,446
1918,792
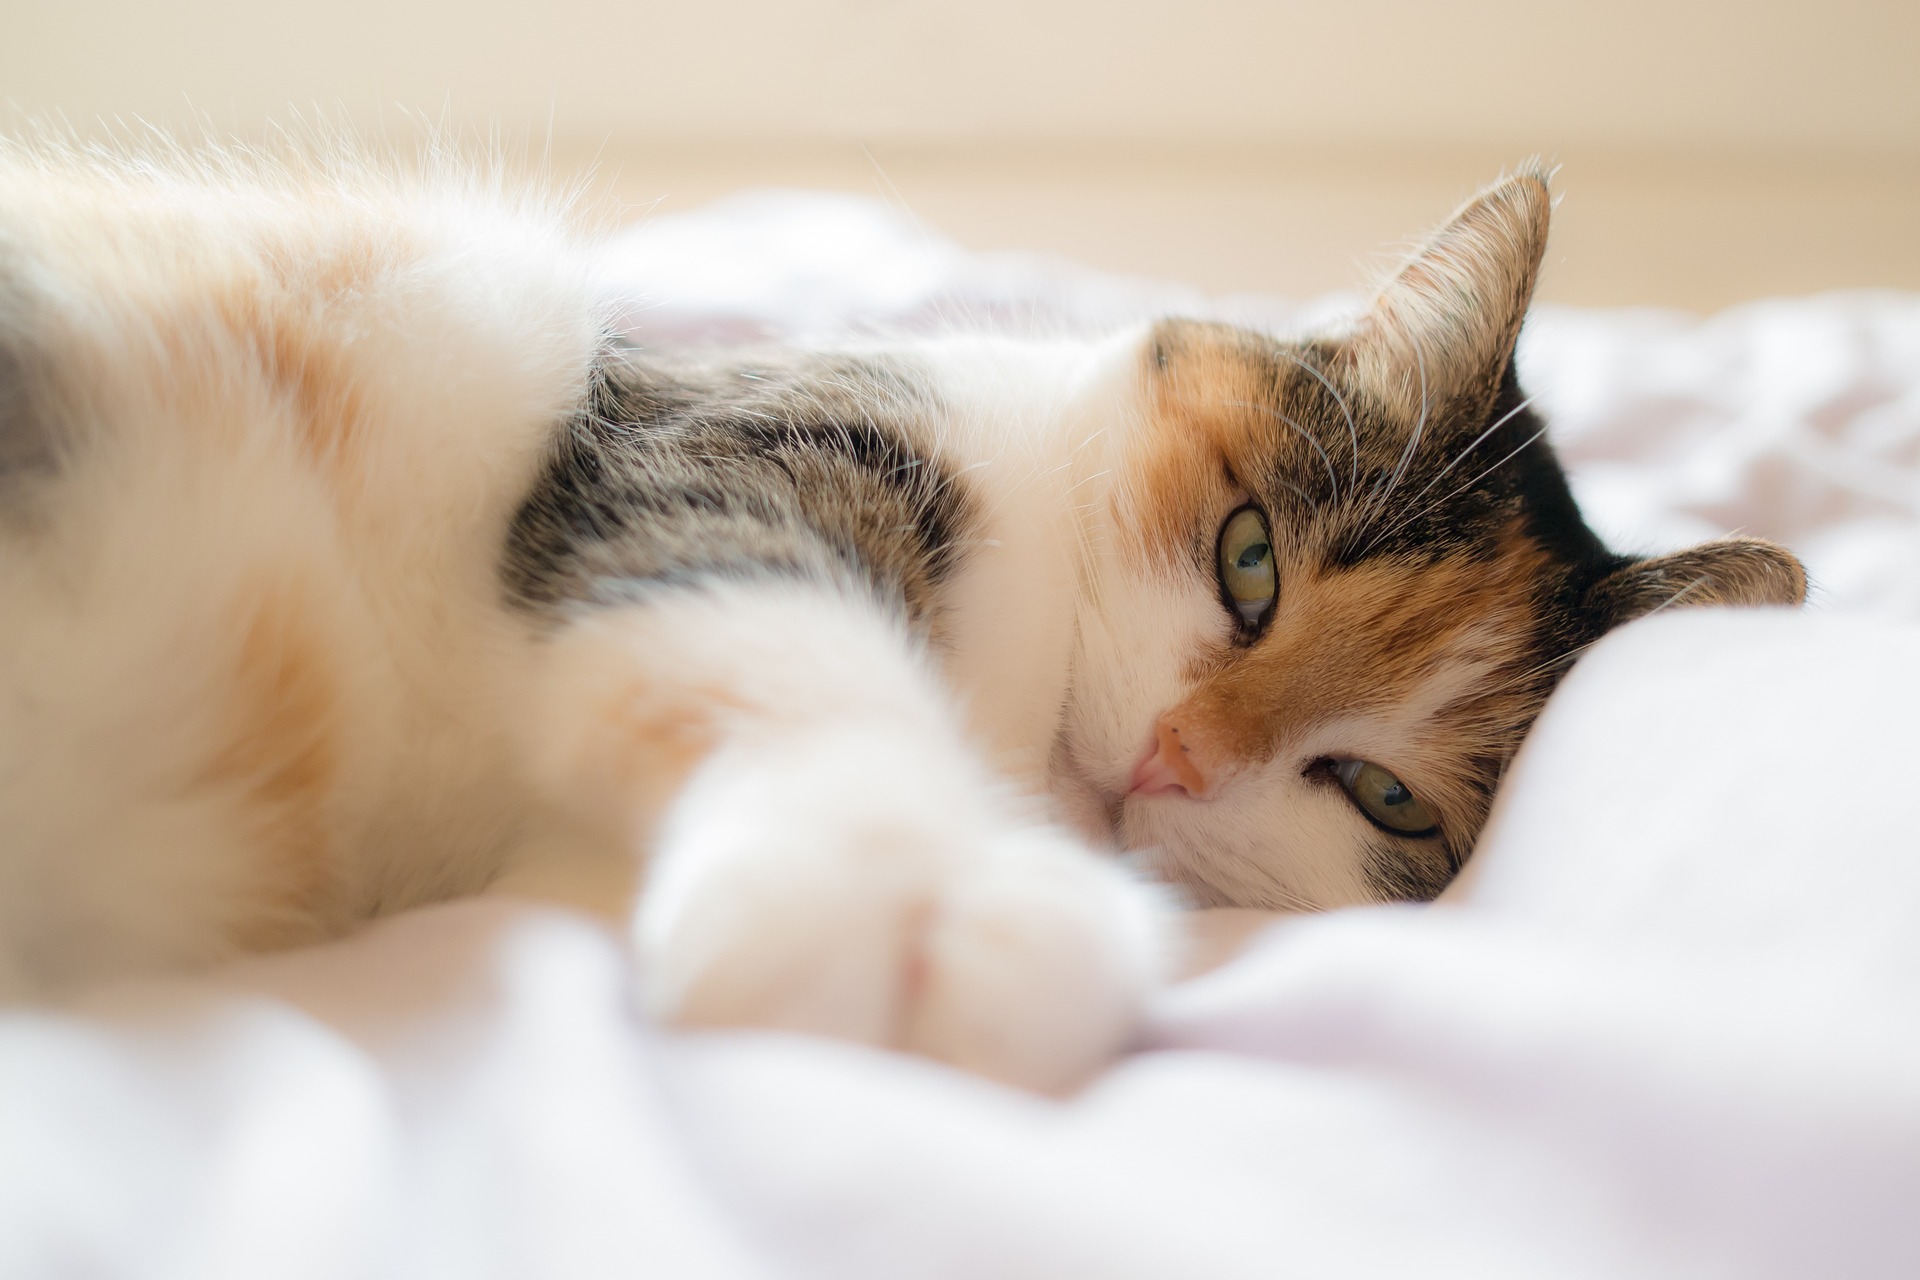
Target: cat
x,y
351,565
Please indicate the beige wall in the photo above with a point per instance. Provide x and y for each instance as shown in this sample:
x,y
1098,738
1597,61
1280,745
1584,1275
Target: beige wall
x,y
1714,149
1825,73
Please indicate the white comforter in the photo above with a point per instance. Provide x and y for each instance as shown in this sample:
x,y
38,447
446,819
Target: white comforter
x,y
1669,1024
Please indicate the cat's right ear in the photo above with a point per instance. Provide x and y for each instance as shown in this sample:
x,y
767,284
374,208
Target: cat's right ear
x,y
1729,571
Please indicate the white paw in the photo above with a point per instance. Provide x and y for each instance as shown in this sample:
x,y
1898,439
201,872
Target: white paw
x,y
879,893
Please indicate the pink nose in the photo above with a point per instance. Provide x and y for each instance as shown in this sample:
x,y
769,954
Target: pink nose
x,y
1168,767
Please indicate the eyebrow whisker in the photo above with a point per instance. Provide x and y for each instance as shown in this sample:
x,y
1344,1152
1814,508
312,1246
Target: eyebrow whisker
x,y
1346,411
1333,477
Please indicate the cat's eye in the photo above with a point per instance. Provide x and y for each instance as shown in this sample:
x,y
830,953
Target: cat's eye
x,y
1384,798
1247,575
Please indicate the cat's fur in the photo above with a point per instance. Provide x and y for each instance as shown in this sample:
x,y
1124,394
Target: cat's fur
x,y
349,565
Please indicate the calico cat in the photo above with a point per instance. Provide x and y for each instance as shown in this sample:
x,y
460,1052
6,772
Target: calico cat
x,y
350,565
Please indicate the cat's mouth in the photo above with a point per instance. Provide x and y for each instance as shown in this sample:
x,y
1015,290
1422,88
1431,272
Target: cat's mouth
x,y
1091,799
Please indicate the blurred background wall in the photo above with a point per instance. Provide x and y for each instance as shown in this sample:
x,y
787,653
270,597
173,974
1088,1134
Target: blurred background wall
x,y
1712,150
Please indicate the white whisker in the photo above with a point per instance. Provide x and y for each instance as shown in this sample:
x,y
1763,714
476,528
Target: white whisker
x,y
1353,428
1460,457
1379,502
1333,477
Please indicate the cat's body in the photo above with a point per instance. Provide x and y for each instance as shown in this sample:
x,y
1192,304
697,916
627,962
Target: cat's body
x,y
349,566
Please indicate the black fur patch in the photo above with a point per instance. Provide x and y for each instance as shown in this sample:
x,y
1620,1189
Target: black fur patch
x,y
1414,872
678,474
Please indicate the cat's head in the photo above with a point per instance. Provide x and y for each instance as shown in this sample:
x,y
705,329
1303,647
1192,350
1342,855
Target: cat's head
x,y
1338,578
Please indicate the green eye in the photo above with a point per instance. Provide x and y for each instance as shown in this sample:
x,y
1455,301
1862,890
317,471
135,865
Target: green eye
x,y
1246,564
1384,798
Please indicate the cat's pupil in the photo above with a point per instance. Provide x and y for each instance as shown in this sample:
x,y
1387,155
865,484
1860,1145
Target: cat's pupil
x,y
1396,794
1252,556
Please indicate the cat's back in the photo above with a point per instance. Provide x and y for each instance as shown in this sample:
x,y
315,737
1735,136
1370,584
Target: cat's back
x,y
262,426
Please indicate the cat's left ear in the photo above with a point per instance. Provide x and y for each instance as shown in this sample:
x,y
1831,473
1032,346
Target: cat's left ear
x,y
1735,571
1445,325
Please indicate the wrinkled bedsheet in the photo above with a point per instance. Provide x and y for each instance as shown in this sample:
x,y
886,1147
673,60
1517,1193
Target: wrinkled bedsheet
x,y
1667,1025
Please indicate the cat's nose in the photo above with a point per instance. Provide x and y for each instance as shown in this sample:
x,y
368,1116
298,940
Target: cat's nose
x,y
1168,767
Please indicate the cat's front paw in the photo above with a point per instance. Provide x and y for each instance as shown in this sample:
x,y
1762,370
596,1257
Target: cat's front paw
x,y
901,912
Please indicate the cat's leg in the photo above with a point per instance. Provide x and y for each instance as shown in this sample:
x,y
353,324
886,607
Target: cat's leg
x,y
823,851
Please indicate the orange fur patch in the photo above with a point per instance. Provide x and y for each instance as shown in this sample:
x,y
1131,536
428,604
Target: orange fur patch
x,y
291,327
1366,640
662,741
1362,642
280,754
1196,393
634,748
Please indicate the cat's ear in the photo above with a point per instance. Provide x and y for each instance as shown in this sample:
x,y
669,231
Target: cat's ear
x,y
1736,571
1445,325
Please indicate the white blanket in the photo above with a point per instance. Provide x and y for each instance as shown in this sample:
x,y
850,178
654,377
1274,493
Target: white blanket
x,y
1668,1024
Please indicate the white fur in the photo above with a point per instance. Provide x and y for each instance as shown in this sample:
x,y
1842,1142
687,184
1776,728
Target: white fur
x,y
853,855
186,495
843,862
1070,649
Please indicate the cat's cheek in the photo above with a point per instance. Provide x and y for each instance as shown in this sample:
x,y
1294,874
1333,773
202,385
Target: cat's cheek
x,y
1270,840
1132,665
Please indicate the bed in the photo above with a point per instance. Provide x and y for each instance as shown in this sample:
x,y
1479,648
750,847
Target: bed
x,y
1668,1023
